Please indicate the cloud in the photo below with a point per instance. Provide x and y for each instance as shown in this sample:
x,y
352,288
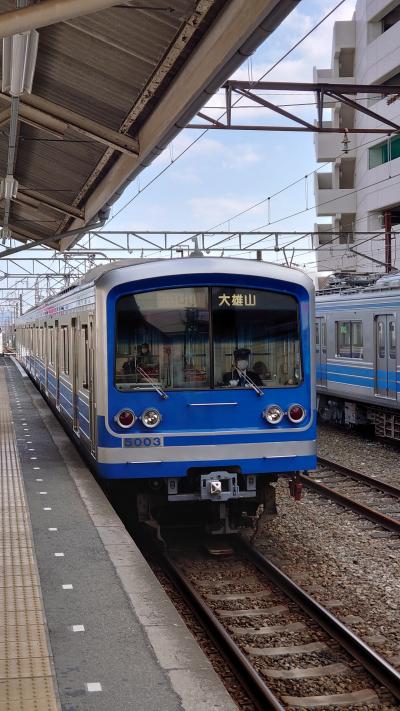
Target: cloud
x,y
186,176
315,50
218,160
210,150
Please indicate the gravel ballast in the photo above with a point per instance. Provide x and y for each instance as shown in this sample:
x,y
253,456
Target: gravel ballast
x,y
348,564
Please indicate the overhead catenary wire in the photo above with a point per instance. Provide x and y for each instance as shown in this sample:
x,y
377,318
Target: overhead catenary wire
x,y
253,206
278,192
198,138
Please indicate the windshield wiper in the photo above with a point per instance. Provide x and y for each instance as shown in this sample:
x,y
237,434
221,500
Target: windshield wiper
x,y
149,380
250,382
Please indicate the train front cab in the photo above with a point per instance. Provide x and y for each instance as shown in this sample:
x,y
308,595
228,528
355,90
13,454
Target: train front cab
x,y
209,390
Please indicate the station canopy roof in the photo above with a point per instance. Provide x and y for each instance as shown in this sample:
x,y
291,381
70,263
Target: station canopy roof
x,y
113,83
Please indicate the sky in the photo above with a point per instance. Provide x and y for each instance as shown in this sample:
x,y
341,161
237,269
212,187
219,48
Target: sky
x,y
227,171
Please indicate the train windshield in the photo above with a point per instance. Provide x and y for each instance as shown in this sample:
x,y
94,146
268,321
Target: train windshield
x,y
201,337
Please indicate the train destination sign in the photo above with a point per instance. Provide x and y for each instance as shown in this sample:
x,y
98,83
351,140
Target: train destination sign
x,y
237,299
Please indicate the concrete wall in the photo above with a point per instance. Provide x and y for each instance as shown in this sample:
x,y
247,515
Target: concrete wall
x,y
376,58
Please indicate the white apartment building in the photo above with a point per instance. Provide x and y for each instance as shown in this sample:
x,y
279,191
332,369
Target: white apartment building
x,y
361,191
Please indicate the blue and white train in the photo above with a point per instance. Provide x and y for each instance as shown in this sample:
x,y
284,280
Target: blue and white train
x,y
358,366
193,378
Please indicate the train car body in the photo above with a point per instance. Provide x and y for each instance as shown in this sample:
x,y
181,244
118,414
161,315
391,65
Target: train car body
x,y
358,368
142,361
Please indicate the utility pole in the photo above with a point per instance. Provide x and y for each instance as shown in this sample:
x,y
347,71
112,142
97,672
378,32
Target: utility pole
x,y
388,241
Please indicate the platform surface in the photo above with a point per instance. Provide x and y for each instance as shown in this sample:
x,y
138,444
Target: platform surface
x,y
84,622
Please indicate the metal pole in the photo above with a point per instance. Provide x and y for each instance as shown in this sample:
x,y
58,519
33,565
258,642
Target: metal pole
x,y
388,241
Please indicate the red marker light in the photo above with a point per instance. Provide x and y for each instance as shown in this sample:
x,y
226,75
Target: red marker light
x,y
296,413
126,418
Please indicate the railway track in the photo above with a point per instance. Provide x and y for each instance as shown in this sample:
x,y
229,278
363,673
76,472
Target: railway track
x,y
286,649
366,495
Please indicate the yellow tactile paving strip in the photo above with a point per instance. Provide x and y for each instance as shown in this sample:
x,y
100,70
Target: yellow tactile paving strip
x,y
26,680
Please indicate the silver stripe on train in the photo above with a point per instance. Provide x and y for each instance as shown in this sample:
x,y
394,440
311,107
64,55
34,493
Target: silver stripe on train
x,y
193,453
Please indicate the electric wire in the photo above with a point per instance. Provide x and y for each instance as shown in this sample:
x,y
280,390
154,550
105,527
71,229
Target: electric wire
x,y
268,198
185,150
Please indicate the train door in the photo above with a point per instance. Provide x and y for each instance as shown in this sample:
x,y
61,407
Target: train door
x,y
320,349
35,351
57,360
92,401
46,356
74,373
385,356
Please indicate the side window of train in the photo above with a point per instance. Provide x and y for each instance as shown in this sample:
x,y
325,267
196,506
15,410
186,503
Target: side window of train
x,y
356,339
392,339
65,349
51,345
85,357
317,333
381,340
349,339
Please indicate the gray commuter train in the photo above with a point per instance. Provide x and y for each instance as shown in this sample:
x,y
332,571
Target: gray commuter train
x,y
357,357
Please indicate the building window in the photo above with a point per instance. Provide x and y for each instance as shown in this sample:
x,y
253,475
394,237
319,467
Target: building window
x,y
349,339
346,238
391,18
384,152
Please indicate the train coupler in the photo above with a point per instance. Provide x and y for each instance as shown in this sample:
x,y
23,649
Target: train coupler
x,y
295,487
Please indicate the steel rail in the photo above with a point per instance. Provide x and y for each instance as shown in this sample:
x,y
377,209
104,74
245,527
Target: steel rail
x,y
259,692
377,666
364,478
383,520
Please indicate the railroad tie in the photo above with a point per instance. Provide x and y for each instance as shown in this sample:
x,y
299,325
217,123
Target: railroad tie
x,y
364,696
239,596
309,673
292,649
269,629
278,609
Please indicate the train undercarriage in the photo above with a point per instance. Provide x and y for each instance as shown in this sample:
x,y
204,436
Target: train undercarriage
x,y
218,502
384,421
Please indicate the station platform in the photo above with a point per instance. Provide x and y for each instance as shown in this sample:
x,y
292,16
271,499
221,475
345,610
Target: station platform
x,y
84,623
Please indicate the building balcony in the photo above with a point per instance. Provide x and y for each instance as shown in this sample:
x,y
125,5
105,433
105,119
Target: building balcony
x,y
322,234
328,146
335,259
330,200
383,56
343,48
344,36
331,76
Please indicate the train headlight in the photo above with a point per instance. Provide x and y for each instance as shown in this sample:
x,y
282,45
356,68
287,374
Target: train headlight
x,y
125,418
273,414
296,414
151,417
